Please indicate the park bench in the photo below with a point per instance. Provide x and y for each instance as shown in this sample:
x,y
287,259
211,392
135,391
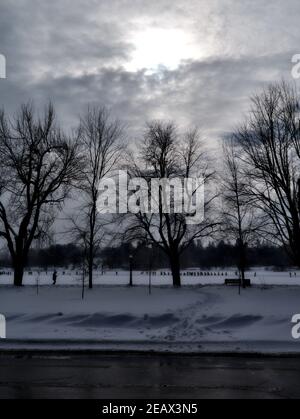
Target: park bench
x,y
236,282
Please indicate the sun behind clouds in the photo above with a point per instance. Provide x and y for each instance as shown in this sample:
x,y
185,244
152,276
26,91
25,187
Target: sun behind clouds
x,y
155,48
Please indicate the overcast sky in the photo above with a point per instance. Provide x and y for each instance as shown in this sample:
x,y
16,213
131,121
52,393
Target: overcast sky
x,y
194,61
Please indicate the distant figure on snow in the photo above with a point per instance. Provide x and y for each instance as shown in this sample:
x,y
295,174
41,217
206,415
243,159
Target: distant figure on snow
x,y
54,277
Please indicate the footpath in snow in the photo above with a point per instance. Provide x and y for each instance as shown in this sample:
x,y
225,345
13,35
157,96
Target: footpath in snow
x,y
192,319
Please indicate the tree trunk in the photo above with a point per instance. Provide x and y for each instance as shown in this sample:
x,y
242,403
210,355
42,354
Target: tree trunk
x,y
175,268
242,261
90,260
18,273
19,259
242,265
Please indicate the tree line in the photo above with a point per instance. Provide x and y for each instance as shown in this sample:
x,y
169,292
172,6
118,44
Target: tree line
x,y
215,255
253,195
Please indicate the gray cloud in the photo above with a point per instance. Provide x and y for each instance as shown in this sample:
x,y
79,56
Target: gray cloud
x,y
75,52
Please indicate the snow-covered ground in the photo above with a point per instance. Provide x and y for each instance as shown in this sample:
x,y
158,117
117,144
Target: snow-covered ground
x,y
192,319
258,276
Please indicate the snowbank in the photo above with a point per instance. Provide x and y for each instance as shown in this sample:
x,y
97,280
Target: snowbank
x,y
192,319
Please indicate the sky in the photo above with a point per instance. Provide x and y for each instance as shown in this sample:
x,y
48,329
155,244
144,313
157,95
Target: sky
x,y
194,62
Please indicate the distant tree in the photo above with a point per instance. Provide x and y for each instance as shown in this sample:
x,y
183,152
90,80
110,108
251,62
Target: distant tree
x,y
218,254
58,255
270,150
102,144
164,155
241,220
38,166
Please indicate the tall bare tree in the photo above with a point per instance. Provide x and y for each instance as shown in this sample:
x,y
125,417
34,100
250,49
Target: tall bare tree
x,y
38,165
102,145
270,143
241,220
166,155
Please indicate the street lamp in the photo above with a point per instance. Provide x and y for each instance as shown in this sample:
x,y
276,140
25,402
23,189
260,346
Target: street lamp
x,y
150,268
130,270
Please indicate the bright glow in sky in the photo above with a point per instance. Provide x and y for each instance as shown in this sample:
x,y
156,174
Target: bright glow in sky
x,y
155,47
234,47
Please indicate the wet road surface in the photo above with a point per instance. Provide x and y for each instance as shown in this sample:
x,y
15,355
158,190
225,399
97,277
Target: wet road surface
x,y
101,376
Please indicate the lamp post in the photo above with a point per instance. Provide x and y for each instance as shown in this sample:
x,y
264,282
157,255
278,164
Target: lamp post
x,y
37,283
83,280
150,268
130,270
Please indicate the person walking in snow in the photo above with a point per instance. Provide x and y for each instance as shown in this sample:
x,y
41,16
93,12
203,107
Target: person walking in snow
x,y
54,277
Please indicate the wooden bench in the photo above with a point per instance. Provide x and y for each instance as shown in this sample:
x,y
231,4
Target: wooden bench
x,y
237,282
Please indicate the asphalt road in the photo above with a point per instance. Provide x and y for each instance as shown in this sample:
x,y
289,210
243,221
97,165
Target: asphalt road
x,y
101,376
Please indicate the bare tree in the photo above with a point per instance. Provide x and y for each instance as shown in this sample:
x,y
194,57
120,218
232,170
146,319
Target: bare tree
x,y
164,155
102,145
38,165
241,221
270,143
